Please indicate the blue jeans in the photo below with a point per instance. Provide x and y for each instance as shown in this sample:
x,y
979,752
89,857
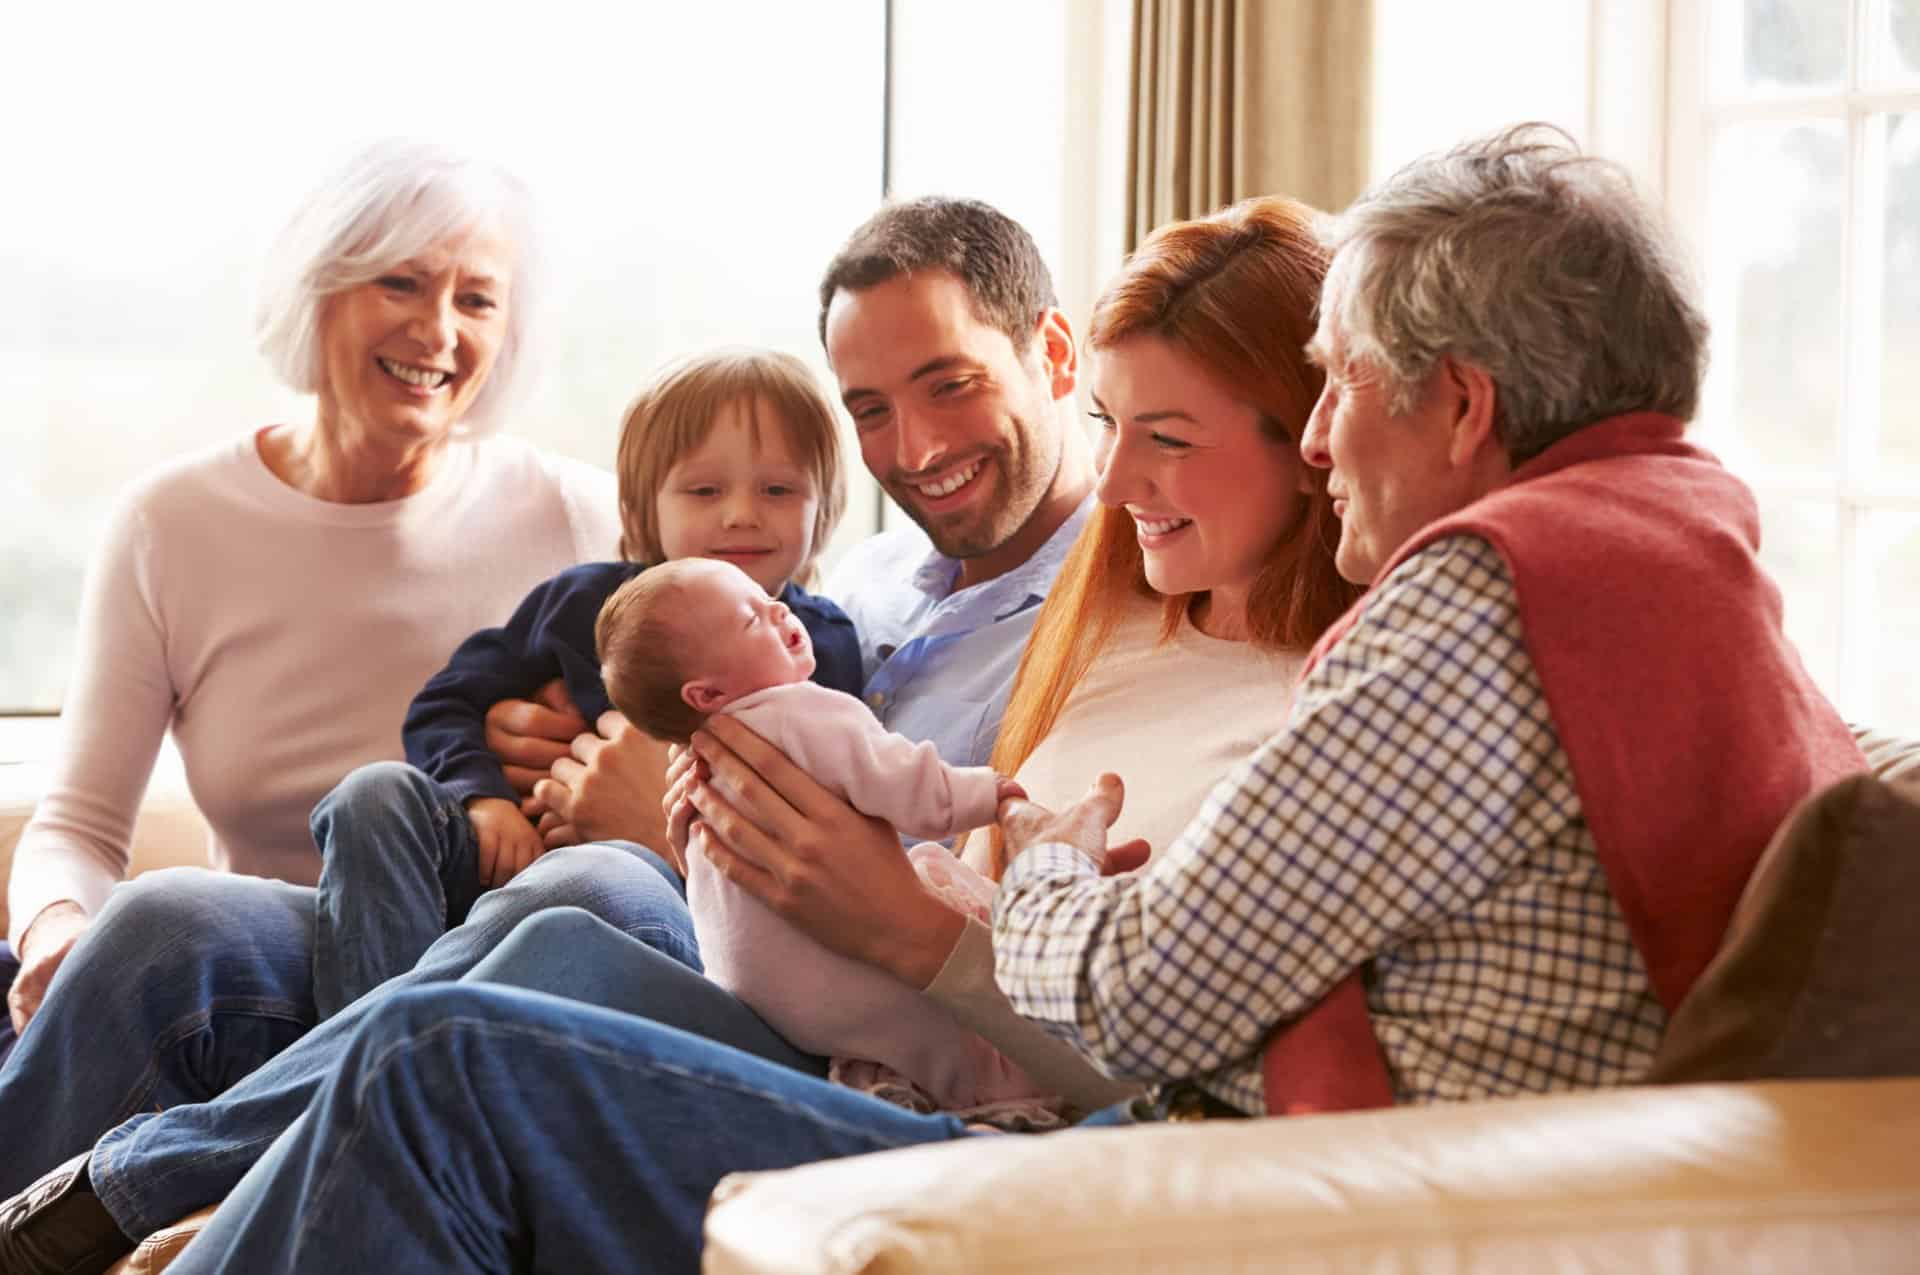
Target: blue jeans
x,y
384,898
485,1128
9,970
154,1168
190,981
186,980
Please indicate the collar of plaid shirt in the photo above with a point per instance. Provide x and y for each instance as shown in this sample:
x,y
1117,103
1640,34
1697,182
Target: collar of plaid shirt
x,y
1690,724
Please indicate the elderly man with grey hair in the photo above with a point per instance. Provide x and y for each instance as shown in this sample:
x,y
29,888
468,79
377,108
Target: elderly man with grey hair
x,y
1522,784
1527,776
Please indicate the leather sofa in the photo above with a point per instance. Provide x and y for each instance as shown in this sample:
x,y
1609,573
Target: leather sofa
x,y
1817,1176
1812,1176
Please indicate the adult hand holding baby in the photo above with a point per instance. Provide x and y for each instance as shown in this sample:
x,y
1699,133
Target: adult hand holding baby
x,y
684,770
826,868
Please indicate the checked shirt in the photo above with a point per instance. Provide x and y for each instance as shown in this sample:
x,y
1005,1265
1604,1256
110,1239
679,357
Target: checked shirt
x,y
1418,813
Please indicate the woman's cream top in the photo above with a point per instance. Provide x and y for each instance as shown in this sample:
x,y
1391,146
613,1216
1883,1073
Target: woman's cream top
x,y
1170,719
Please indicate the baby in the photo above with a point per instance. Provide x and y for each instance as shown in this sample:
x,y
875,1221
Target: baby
x,y
693,638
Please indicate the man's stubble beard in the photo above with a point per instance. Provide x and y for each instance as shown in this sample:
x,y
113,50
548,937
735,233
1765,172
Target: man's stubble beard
x,y
1024,493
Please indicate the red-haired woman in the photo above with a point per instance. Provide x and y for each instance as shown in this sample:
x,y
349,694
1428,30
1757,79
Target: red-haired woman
x,y
1167,651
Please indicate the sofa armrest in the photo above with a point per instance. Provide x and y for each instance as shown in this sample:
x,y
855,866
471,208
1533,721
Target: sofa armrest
x,y
1749,1178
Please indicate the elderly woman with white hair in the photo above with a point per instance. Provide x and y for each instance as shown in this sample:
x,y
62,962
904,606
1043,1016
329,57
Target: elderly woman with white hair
x,y
1519,789
275,601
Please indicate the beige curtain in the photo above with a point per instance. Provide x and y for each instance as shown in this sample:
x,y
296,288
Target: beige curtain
x,y
1246,97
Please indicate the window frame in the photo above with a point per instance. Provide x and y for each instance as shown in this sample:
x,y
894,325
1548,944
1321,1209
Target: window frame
x,y
1854,493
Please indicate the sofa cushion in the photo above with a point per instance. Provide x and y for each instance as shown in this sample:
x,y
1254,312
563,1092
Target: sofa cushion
x,y
1893,759
1814,977
155,1253
1779,1179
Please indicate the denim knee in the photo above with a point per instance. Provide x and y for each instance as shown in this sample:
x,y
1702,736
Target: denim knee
x,y
158,917
404,1013
552,930
609,883
174,942
381,790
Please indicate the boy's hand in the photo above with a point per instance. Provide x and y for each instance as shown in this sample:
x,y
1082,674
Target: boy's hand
x,y
505,843
1009,790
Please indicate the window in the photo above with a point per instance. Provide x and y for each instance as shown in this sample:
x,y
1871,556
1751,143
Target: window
x,y
696,165
1794,169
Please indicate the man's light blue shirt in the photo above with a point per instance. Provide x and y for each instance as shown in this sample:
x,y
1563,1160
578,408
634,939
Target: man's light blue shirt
x,y
939,663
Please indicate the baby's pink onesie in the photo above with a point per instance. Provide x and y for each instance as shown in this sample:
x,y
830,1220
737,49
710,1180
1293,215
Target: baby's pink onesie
x,y
821,1001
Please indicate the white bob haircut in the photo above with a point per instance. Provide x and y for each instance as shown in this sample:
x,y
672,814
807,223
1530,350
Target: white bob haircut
x,y
1539,265
391,202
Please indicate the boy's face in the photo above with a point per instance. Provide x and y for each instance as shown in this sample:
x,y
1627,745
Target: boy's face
x,y
733,501
746,641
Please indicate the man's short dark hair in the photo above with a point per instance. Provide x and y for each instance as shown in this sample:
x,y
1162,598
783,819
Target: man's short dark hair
x,y
988,251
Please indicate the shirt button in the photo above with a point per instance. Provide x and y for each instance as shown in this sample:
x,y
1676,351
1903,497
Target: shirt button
x,y
878,699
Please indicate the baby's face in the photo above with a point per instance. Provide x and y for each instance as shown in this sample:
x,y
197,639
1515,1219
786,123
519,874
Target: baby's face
x,y
744,640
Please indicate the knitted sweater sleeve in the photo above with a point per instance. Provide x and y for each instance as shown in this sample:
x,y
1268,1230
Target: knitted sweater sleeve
x,y
118,708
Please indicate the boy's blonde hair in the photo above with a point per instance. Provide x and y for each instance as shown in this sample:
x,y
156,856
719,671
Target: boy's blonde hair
x,y
673,416
643,656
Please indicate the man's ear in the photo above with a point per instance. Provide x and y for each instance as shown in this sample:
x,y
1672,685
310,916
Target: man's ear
x,y
1474,397
702,696
1059,353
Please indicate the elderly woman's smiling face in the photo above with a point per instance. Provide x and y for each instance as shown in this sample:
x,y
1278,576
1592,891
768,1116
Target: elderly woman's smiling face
x,y
407,352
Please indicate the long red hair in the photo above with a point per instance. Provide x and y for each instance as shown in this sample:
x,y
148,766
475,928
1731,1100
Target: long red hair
x,y
1236,292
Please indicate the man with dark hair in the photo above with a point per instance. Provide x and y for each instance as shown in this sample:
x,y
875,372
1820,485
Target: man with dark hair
x,y
954,361
976,243
940,322
1518,794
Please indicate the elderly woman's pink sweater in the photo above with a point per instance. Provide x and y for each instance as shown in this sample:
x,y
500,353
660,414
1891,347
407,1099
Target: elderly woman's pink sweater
x,y
280,637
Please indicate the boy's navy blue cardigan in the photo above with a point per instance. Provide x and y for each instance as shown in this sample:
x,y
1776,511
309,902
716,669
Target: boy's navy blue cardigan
x,y
549,636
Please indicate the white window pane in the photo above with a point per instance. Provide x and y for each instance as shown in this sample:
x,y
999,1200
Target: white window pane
x,y
1893,47
1769,46
1799,543
1892,542
1899,450
696,166
1774,259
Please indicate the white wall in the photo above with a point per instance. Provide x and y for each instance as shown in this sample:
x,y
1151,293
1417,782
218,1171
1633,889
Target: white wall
x,y
1023,105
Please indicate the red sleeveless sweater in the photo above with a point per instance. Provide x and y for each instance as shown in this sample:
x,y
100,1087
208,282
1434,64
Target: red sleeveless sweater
x,y
1691,727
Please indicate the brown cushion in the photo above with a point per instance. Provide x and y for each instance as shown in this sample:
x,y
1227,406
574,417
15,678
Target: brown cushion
x,y
155,1253
1815,977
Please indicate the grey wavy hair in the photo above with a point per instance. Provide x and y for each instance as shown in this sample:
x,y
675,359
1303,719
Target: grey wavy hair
x,y
1540,265
389,203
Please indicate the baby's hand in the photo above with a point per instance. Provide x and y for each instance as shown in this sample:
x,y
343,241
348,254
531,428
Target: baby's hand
x,y
1009,790
505,841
